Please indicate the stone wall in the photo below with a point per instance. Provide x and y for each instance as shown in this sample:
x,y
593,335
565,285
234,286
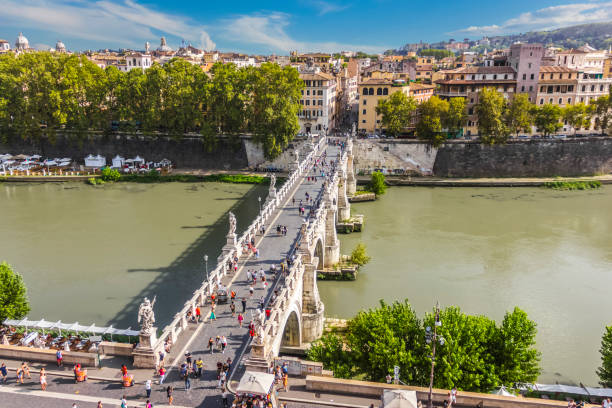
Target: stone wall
x,y
188,152
406,155
530,158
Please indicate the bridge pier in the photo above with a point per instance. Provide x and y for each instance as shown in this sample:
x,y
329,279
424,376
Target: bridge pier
x,y
344,207
312,307
332,243
351,181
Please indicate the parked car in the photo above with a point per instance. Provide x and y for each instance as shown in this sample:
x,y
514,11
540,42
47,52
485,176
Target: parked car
x,y
560,136
523,137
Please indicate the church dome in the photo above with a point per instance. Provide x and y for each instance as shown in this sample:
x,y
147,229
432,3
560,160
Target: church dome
x,y
60,47
22,42
163,47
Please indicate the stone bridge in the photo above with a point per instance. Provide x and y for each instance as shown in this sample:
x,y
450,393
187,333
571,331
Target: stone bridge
x,y
297,313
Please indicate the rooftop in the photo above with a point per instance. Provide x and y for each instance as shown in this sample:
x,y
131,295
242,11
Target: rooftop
x,y
483,70
546,69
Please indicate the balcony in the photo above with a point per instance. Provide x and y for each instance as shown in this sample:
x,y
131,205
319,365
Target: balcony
x,y
451,94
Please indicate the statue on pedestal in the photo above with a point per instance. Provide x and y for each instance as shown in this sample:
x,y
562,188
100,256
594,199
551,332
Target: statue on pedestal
x,y
232,223
260,318
272,182
146,317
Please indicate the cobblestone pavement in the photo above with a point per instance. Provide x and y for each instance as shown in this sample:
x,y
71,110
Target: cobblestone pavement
x,y
204,392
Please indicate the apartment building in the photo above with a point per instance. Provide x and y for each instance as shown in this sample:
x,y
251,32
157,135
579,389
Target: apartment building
x,y
318,110
557,86
525,59
467,82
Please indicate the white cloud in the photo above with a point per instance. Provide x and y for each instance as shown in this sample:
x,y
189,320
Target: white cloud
x,y
126,23
325,7
548,18
269,31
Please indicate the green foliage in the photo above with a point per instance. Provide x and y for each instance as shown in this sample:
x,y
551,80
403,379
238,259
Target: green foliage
x,y
111,175
573,185
490,111
456,117
437,54
14,302
477,354
329,350
154,177
603,112
578,116
547,118
518,115
359,256
94,181
396,111
430,120
605,371
41,93
377,183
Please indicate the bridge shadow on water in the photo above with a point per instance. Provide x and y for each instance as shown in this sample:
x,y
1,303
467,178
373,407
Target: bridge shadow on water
x,y
175,283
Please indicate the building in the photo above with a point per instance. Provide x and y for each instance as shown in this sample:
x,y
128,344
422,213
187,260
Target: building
x,y
370,92
424,73
60,47
421,92
607,70
21,43
315,58
318,110
134,60
557,86
525,59
467,82
4,46
592,86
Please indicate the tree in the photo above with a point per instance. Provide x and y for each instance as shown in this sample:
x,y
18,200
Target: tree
x,y
547,118
396,111
14,302
377,183
456,116
577,116
359,256
330,350
490,111
518,116
603,112
429,124
605,371
518,360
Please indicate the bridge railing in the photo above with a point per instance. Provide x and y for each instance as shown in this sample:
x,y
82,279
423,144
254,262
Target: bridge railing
x,y
225,263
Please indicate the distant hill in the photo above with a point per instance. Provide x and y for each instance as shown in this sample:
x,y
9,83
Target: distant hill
x,y
597,35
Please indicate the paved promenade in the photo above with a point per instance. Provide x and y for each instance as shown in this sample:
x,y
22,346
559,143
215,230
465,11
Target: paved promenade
x,y
204,392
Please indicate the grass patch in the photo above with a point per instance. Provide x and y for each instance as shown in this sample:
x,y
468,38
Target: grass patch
x,y
363,192
573,185
154,177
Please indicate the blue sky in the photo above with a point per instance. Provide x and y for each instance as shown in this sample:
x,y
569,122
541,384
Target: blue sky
x,y
281,26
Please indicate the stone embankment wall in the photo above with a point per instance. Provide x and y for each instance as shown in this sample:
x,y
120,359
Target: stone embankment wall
x,y
187,152
406,155
529,158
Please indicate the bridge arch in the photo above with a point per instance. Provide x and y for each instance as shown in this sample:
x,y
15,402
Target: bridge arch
x,y
292,328
319,252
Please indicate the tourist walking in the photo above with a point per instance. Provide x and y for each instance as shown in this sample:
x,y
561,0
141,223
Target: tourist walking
x,y
233,309
26,369
43,379
3,372
240,319
211,344
224,398
243,301
169,391
187,383
148,388
223,344
123,402
148,404
199,365
99,404
59,357
212,313
162,375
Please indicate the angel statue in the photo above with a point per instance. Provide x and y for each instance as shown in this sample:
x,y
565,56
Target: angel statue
x,y
272,181
232,223
146,317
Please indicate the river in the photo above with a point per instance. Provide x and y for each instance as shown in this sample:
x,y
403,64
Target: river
x,y
90,254
487,250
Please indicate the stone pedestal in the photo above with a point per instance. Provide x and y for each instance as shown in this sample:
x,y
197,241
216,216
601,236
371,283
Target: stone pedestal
x,y
332,254
271,195
144,355
230,246
312,324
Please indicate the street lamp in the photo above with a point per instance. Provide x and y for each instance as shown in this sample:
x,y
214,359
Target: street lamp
x,y
206,263
259,199
432,338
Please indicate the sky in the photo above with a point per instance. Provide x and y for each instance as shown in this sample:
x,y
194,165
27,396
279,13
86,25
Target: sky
x,y
267,27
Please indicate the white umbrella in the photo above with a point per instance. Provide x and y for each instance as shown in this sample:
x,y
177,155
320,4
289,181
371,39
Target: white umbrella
x,y
503,392
399,399
253,382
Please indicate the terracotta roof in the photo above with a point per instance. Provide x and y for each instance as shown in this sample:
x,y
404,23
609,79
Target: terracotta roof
x,y
484,70
475,81
415,85
424,67
546,68
318,75
573,51
376,81
3,41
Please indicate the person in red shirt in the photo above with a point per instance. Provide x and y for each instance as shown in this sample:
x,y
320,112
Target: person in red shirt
x,y
198,314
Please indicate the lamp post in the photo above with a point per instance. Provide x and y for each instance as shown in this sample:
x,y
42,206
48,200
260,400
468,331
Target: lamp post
x,y
432,338
259,199
206,266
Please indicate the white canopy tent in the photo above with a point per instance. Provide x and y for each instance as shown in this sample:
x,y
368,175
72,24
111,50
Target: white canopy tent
x,y
560,388
118,161
253,382
76,327
95,161
503,392
399,399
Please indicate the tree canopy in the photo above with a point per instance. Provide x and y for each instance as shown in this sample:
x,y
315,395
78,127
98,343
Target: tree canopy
x,y
477,355
490,111
396,111
605,371
14,302
42,93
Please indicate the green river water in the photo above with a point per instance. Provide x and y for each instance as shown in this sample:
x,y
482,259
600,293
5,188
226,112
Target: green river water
x,y
488,250
90,254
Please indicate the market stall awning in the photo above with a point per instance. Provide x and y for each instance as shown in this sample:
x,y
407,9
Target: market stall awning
x,y
253,382
399,399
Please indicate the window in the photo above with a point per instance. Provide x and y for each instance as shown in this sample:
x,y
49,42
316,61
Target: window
x,y
550,100
529,65
532,76
386,91
583,88
570,88
307,102
471,111
592,88
560,101
320,93
364,102
365,92
473,77
530,88
320,102
531,55
506,76
471,100
569,101
542,101
363,112
363,121
601,88
302,92
371,91
308,92
379,91
494,76
524,76
523,88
